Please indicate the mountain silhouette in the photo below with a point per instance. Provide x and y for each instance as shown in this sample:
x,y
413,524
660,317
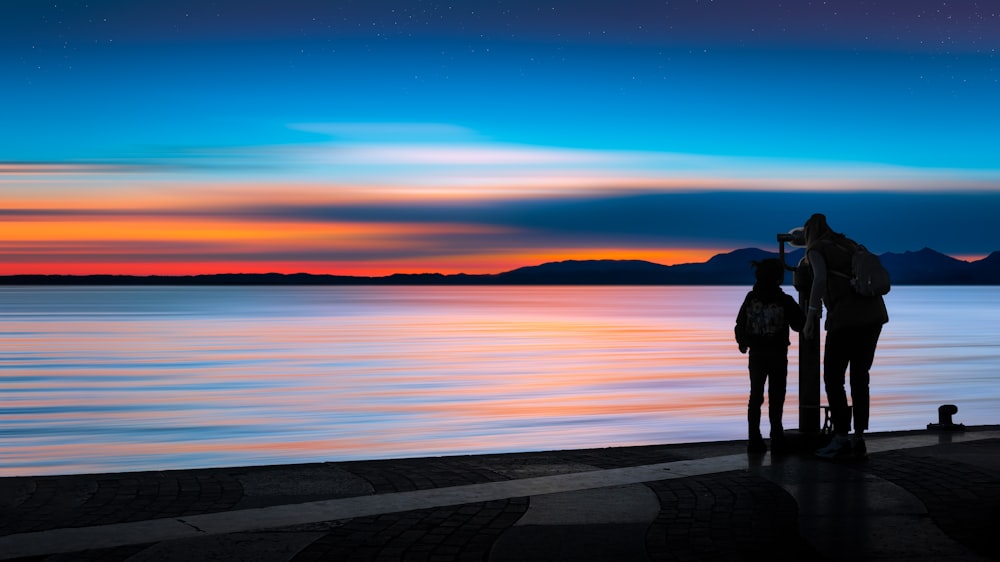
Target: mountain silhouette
x,y
589,272
733,268
927,267
923,267
987,269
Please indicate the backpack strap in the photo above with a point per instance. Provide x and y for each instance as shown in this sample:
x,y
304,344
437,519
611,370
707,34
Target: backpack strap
x,y
849,247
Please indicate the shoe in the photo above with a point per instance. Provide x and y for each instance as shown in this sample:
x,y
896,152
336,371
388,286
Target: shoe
x,y
756,446
778,444
858,448
839,447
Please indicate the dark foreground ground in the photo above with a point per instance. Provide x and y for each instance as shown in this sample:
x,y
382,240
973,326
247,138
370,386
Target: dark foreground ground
x,y
922,495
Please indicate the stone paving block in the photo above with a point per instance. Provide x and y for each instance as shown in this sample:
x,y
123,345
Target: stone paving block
x,y
726,515
699,519
963,500
467,530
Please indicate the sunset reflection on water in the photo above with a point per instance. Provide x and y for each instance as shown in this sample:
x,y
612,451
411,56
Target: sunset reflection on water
x,y
131,378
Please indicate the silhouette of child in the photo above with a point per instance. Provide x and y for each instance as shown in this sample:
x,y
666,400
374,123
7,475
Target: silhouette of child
x,y
762,327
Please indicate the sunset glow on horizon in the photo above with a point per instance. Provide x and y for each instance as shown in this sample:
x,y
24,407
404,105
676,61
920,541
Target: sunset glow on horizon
x,y
371,138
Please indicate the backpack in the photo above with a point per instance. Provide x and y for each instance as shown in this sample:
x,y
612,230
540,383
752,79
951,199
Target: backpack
x,y
868,276
764,319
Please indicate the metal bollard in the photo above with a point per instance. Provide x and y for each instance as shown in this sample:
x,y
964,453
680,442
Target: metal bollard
x,y
945,412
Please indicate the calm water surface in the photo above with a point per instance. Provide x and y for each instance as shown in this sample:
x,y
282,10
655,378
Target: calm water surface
x,y
97,379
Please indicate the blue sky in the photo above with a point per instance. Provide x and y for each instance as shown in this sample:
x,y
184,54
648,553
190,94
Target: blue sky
x,y
496,134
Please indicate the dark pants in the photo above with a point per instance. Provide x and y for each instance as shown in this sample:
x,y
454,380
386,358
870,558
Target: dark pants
x,y
767,366
853,346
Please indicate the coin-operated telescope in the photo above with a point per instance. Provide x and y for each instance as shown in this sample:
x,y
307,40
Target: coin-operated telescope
x,y
809,356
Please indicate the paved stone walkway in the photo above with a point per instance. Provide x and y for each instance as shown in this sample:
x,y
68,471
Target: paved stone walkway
x,y
920,495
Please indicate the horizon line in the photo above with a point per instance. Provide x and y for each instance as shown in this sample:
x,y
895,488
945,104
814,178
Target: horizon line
x,y
432,273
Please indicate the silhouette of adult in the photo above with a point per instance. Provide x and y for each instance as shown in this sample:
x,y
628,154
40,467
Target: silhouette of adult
x,y
853,326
